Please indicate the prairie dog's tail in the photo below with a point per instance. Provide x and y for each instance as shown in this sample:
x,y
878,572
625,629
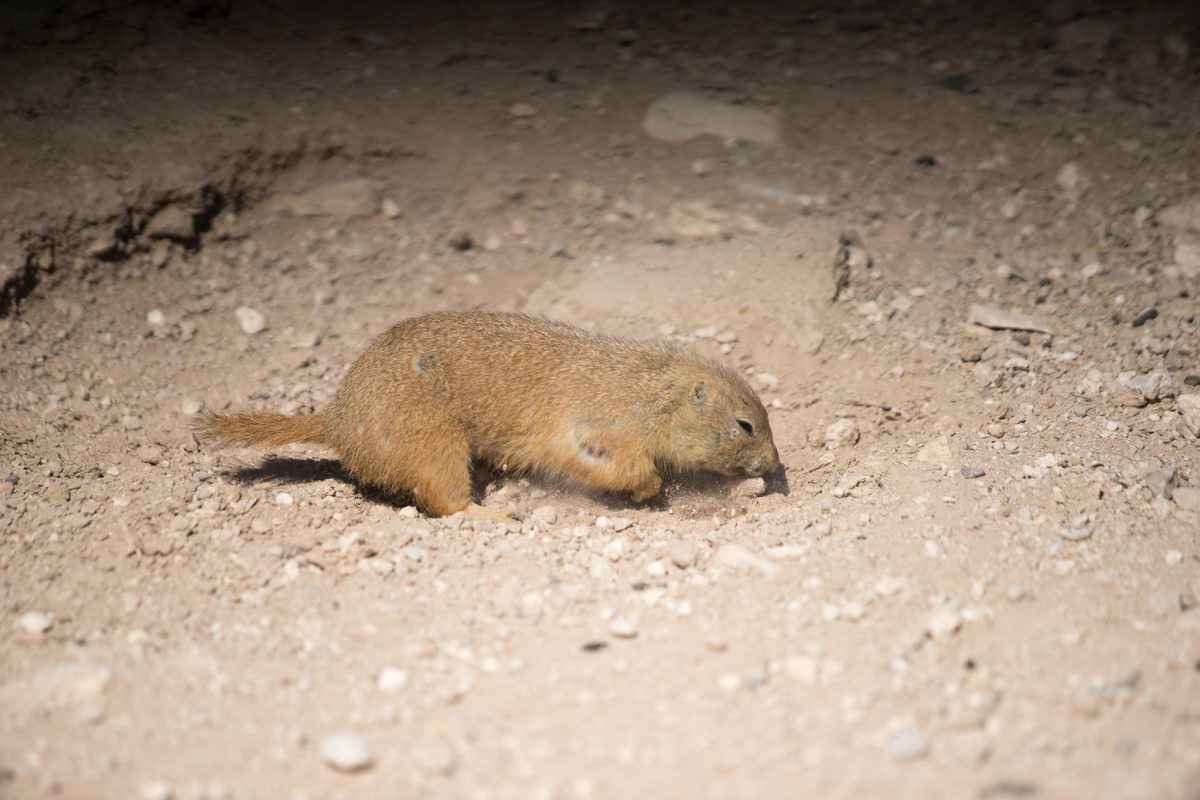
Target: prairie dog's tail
x,y
260,428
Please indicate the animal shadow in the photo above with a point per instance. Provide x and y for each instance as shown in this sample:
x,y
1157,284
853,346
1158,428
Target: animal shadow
x,y
291,471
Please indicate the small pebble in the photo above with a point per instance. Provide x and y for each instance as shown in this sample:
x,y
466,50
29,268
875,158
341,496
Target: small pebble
x,y
729,682
1075,533
35,623
191,406
157,790
614,550
1187,498
251,320
284,499
890,584
1174,557
841,433
908,744
545,515
682,554
622,627
155,317
736,556
347,752
970,472
943,623
392,679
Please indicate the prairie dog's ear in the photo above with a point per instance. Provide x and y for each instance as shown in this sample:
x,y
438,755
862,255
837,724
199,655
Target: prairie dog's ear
x,y
699,394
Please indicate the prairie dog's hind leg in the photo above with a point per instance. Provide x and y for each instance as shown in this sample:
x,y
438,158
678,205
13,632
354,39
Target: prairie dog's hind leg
x,y
423,451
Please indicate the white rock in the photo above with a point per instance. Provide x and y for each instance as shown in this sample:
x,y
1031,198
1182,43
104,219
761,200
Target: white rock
x,y
736,556
614,550
682,554
841,433
544,515
802,669
1183,216
1187,498
35,623
155,317
1189,409
622,627
908,744
1187,254
936,451
172,222
157,790
347,752
943,622
767,381
680,116
729,682
1071,180
391,679
284,499
251,320
1153,386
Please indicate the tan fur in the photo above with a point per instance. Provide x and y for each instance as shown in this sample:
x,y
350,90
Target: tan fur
x,y
437,392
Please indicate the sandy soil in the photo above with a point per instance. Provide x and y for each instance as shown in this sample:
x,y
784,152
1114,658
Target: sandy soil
x,y
983,580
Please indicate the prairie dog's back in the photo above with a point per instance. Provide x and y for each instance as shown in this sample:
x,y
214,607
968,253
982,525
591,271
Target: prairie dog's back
x,y
507,372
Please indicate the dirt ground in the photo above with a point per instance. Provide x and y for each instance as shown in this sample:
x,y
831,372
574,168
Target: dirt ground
x,y
955,248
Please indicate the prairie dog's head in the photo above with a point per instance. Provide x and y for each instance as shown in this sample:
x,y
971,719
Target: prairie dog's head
x,y
720,425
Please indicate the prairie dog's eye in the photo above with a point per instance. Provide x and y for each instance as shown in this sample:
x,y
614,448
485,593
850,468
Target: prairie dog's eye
x,y
747,426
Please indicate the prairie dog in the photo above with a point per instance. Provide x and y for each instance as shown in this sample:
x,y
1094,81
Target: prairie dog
x,y
436,393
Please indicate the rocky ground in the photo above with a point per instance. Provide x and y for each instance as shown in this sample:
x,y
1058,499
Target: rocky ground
x,y
956,250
